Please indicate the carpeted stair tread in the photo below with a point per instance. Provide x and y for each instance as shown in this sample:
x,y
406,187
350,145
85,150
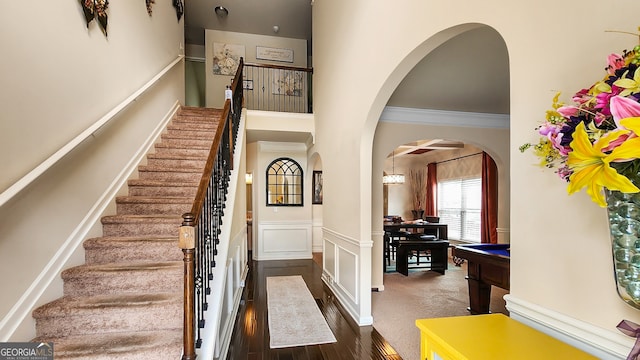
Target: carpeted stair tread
x,y
158,219
178,154
74,315
170,145
148,182
194,122
190,169
176,162
133,248
182,174
189,134
120,278
193,125
85,270
155,199
70,305
135,225
184,143
145,345
201,116
144,205
162,188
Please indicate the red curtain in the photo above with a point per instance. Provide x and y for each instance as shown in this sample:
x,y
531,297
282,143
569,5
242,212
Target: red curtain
x,y
489,212
431,204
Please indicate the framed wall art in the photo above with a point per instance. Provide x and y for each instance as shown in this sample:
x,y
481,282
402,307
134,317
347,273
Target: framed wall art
x,y
226,58
287,82
317,187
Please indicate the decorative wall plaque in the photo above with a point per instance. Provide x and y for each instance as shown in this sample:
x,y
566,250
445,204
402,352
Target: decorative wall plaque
x,y
274,54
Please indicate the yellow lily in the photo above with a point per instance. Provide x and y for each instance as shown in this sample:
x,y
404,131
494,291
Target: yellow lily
x,y
591,167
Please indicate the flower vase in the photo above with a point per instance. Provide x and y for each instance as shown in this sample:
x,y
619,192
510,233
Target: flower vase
x,y
624,225
417,214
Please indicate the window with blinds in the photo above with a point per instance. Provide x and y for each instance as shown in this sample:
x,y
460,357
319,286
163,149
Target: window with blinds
x,y
459,203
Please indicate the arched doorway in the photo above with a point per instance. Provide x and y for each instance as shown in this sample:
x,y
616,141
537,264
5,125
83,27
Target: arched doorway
x,y
424,107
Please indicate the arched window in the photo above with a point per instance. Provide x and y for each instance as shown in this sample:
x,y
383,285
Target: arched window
x,y
284,183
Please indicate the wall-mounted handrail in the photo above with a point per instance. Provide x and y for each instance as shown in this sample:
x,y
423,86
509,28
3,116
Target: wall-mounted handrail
x,y
31,176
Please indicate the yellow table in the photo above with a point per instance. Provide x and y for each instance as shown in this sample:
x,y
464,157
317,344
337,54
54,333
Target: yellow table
x,y
491,337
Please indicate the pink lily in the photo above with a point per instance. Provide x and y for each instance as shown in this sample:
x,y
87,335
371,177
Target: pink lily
x,y
567,111
614,62
622,108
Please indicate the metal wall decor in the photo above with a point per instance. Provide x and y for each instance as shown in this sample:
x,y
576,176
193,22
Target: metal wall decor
x,y
179,8
149,5
284,183
96,9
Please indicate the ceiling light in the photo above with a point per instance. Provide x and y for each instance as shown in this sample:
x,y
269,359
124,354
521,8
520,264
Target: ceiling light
x,y
276,28
393,178
221,11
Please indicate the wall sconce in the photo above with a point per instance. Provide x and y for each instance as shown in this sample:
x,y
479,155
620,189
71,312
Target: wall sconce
x,y
248,178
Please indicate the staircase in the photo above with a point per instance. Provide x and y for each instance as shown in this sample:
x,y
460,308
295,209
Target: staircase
x,y
126,301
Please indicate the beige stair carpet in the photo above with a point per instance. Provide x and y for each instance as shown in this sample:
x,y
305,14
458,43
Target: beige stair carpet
x,y
126,301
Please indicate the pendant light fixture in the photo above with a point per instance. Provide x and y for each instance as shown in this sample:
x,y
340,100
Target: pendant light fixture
x,y
393,178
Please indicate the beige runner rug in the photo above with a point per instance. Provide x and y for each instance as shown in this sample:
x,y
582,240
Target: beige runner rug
x,y
294,316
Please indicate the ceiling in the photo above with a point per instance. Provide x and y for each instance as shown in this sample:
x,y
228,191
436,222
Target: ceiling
x,y
293,18
469,73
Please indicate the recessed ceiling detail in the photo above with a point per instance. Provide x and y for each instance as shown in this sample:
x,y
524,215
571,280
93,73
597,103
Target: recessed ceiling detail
x,y
423,146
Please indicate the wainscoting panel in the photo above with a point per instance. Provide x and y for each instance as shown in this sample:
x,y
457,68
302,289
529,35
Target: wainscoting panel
x,y
348,274
284,240
342,273
329,258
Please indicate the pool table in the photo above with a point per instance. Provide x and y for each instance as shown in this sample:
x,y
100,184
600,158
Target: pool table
x,y
487,264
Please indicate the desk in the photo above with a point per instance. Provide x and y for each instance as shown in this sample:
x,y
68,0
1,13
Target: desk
x,y
440,229
489,337
439,253
488,264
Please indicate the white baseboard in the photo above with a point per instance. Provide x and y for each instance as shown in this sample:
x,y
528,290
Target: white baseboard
x,y
602,343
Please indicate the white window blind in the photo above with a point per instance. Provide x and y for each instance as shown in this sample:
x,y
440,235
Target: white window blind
x,y
459,203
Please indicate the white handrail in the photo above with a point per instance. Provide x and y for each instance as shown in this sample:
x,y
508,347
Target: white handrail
x,y
19,185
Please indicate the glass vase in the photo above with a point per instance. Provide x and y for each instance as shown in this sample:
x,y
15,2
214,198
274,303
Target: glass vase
x,y
624,224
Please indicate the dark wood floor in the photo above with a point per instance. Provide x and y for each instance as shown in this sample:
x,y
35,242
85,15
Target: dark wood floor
x,y
250,339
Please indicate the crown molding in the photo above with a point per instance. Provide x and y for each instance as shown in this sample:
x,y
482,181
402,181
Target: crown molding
x,y
444,118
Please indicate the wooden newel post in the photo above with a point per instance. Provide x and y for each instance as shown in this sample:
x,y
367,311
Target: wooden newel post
x,y
187,243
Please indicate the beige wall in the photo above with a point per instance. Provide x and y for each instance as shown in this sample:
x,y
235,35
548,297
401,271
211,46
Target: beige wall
x,y
59,78
216,83
561,258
